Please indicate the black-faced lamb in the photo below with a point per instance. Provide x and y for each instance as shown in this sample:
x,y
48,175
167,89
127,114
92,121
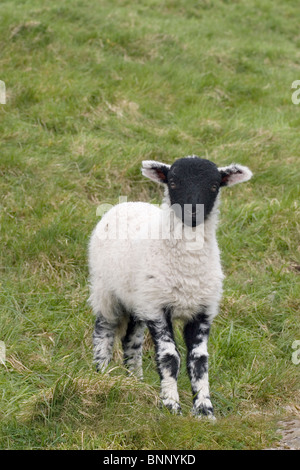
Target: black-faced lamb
x,y
149,265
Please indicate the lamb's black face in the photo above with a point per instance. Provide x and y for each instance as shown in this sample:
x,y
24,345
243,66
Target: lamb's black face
x,y
191,182
194,183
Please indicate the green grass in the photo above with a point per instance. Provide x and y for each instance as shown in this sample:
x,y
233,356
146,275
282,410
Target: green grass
x,y
92,89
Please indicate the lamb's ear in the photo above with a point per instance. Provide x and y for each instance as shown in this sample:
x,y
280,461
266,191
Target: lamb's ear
x,y
234,174
156,171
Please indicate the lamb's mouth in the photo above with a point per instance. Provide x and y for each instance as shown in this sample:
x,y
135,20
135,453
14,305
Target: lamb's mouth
x,y
191,218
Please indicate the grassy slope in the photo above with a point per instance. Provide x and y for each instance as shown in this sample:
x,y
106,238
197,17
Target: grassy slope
x,y
92,89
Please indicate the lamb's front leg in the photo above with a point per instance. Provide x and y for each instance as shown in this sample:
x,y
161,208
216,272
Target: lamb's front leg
x,y
132,344
196,336
168,361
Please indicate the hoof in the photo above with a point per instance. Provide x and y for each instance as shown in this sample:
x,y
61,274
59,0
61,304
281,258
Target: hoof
x,y
204,411
173,407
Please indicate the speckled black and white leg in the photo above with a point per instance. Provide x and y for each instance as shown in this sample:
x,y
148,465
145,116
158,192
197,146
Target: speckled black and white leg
x,y
168,360
133,346
103,341
196,334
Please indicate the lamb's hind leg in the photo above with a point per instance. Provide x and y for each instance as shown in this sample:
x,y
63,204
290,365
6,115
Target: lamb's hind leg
x,y
168,360
132,344
103,341
196,335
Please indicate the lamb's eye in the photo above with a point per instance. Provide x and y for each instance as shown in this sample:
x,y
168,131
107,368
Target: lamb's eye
x,y
214,188
172,185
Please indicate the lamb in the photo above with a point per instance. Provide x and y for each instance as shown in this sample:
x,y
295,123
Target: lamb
x,y
149,265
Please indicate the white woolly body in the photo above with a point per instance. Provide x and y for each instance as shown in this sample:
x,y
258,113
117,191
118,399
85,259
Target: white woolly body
x,y
147,275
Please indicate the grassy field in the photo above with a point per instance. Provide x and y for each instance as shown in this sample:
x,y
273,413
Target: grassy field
x,y
93,87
